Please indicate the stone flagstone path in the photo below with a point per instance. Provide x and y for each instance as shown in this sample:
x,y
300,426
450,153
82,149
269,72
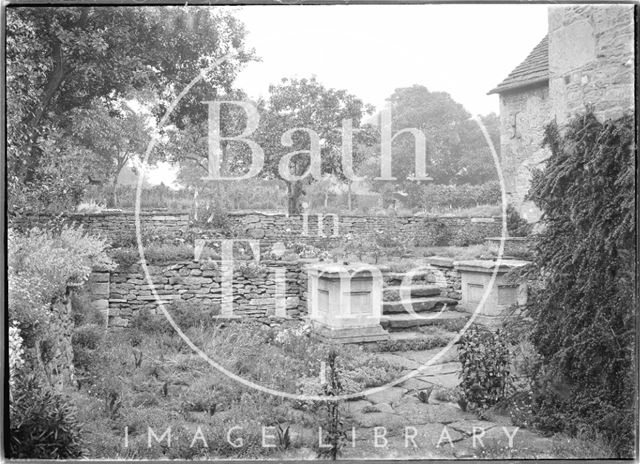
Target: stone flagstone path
x,y
408,428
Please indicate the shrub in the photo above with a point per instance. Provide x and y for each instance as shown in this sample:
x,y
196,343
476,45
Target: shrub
x,y
516,225
148,323
193,313
584,312
85,341
485,367
42,423
83,311
41,267
16,354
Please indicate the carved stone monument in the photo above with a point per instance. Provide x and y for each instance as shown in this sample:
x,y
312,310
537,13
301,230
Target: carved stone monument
x,y
345,302
476,280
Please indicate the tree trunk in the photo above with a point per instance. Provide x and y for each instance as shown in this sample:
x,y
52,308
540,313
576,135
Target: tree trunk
x,y
294,192
114,194
326,199
349,196
195,204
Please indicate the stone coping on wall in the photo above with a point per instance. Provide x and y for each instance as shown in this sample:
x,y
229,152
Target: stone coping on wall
x,y
113,213
440,261
365,216
488,266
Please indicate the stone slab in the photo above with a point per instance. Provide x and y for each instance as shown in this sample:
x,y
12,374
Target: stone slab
x,y
390,395
418,305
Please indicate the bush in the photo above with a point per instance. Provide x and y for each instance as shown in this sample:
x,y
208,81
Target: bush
x,y
85,341
584,312
83,311
516,225
42,424
41,267
485,367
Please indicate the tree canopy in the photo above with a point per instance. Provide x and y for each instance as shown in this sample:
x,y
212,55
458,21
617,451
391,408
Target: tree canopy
x,y
62,58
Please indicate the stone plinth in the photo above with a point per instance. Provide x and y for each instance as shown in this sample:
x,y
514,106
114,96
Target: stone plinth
x,y
476,279
345,302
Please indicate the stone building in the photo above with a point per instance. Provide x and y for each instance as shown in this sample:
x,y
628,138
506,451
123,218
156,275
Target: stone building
x,y
585,61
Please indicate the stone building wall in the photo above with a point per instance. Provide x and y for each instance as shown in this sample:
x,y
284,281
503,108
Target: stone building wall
x,y
524,113
591,64
591,60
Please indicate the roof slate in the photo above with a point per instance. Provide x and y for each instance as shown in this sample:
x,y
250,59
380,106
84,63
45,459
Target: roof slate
x,y
533,70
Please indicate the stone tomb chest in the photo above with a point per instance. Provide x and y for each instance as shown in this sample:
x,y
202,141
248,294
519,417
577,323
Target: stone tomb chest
x,y
476,280
345,302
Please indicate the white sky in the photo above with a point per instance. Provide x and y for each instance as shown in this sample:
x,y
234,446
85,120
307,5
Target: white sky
x,y
370,50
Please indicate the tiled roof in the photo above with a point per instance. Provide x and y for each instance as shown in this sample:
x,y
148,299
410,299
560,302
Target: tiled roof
x,y
533,70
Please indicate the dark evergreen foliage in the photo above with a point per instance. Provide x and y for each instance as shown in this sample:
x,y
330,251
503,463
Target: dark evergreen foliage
x,y
584,308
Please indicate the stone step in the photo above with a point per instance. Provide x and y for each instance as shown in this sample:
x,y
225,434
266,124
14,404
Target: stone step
x,y
393,293
432,303
395,322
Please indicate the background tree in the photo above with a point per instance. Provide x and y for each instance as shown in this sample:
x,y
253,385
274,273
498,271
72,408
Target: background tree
x,y
456,149
305,103
61,58
115,135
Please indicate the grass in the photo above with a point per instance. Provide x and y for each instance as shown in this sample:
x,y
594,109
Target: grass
x,y
173,387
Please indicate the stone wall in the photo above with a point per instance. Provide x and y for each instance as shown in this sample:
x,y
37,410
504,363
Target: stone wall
x,y
523,115
419,231
448,278
117,226
591,59
254,293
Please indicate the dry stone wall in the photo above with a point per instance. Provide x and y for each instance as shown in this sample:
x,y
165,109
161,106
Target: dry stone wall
x,y
329,229
254,293
119,227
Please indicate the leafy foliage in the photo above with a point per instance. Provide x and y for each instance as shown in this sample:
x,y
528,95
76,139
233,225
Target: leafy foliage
x,y
485,367
584,310
306,103
335,433
516,225
61,59
41,265
42,423
457,152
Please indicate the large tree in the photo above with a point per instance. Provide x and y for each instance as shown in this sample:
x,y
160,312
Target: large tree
x,y
61,58
456,149
306,103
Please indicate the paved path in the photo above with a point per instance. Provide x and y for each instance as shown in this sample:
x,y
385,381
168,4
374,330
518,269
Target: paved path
x,y
406,427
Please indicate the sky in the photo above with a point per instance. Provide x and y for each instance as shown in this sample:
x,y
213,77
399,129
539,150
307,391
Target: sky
x,y
370,50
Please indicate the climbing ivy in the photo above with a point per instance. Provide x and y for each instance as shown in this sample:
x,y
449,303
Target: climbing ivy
x,y
584,309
